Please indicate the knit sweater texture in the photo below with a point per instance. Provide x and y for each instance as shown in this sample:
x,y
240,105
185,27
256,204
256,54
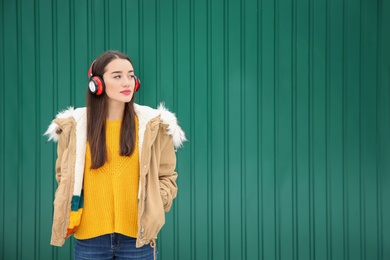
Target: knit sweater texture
x,y
111,191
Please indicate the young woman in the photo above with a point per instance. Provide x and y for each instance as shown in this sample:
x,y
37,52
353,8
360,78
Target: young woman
x,y
115,167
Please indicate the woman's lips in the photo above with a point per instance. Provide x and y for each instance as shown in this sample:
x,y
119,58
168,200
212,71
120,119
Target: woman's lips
x,y
126,92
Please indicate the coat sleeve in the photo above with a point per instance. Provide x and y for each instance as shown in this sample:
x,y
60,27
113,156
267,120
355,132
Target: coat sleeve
x,y
167,174
62,147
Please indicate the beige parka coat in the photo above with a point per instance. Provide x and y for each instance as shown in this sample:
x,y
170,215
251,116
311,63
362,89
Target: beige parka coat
x,y
159,135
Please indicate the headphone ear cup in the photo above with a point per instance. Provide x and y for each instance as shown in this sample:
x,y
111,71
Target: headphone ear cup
x,y
137,84
96,85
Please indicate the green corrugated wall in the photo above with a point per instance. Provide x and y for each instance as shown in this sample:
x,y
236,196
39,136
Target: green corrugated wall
x,y
286,105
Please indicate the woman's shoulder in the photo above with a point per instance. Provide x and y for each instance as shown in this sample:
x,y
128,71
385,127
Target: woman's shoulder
x,y
146,114
64,118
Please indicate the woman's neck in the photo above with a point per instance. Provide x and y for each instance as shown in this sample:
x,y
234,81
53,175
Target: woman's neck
x,y
115,110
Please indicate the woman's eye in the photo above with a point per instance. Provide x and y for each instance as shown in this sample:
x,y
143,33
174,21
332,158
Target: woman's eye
x,y
117,77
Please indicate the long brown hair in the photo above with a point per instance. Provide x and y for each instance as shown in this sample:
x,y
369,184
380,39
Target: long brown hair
x,y
97,111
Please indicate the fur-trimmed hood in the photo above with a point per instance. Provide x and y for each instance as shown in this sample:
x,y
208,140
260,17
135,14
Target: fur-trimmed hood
x,y
144,114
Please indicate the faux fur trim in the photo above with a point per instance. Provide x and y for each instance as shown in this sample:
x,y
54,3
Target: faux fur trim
x,y
80,116
145,114
52,130
173,128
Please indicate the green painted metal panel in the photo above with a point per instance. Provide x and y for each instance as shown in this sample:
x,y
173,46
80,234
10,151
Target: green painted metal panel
x,y
286,105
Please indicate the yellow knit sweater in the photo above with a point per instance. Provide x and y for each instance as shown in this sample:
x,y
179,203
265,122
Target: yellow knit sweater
x,y
111,191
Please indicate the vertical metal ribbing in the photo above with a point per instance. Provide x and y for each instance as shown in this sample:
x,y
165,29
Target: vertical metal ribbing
x,y
124,27
157,27
192,127
362,191
259,78
226,131
310,124
338,174
276,103
2,131
379,133
106,20
18,130
242,132
294,130
73,58
328,177
344,112
141,40
209,129
37,194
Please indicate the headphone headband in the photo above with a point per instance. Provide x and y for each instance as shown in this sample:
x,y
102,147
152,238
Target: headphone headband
x,y
90,74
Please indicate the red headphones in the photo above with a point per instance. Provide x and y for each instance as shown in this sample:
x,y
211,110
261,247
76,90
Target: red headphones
x,y
96,84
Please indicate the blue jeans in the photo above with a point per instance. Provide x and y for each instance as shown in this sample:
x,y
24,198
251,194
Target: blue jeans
x,y
112,246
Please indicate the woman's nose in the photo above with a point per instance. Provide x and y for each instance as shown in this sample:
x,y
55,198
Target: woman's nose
x,y
126,82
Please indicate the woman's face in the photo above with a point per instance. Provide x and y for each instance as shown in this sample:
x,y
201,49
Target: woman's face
x,y
119,81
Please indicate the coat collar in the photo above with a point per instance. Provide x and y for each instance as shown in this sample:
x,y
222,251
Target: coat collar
x,y
145,114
